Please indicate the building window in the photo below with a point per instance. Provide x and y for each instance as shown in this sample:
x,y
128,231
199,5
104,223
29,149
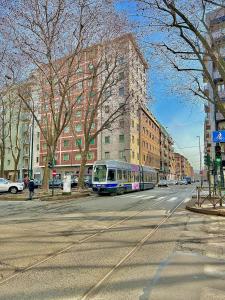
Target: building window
x,y
38,135
121,60
220,88
92,141
77,156
121,123
78,142
79,70
132,139
38,147
79,99
132,123
66,143
90,155
121,76
121,138
37,159
44,146
91,67
66,156
121,91
121,154
92,94
78,113
79,85
107,155
44,158
93,126
90,83
107,139
78,127
8,162
107,93
66,129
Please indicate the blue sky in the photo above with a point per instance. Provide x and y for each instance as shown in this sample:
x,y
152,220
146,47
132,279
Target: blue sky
x,y
181,114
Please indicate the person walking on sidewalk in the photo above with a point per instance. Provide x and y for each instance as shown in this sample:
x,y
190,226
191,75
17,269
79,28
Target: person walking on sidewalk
x,y
31,188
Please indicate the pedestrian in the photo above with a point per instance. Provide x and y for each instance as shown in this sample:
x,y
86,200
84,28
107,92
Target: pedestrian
x,y
26,182
31,188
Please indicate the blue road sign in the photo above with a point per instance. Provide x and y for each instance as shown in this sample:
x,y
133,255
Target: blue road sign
x,y
218,136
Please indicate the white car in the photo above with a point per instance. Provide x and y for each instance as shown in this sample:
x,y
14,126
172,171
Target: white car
x,y
9,186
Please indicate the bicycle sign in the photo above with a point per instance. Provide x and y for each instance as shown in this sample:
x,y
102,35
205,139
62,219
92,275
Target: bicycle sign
x,y
218,136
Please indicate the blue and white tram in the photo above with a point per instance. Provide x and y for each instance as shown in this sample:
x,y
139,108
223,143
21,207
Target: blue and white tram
x,y
112,176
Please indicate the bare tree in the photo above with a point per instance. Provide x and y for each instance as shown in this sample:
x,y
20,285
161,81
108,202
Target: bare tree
x,y
99,109
188,42
49,36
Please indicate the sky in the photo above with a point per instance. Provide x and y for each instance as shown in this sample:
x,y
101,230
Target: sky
x,y
180,114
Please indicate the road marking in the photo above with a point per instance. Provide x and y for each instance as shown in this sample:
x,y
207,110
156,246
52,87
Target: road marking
x,y
161,198
128,255
172,199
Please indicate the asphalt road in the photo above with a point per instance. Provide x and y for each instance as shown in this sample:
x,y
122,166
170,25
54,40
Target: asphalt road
x,y
100,247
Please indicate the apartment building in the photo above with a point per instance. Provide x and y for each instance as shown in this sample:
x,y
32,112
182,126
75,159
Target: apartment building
x,y
15,131
213,118
122,140
166,155
183,167
149,139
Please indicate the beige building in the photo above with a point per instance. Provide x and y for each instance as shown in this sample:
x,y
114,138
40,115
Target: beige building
x,y
149,139
122,140
166,155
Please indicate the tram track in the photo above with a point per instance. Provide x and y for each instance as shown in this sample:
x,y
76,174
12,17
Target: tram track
x,y
50,256
93,290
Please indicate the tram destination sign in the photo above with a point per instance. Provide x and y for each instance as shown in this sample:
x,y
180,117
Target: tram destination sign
x,y
218,136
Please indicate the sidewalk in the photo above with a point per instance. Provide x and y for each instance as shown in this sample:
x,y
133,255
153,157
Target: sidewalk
x,y
206,208
43,195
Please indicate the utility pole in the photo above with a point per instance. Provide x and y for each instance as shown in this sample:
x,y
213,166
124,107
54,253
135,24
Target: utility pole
x,y
200,159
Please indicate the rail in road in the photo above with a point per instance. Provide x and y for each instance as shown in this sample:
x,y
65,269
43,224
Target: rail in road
x,y
157,202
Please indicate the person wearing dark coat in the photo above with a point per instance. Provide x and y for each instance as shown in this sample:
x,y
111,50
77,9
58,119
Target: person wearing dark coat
x,y
31,188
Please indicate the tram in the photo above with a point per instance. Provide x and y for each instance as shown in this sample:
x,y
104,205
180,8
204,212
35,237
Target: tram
x,y
118,177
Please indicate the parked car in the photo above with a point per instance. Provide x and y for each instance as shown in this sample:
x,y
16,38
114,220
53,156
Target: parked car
x,y
162,183
182,182
37,183
57,183
9,186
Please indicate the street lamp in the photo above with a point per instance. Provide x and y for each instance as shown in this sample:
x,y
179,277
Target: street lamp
x,y
200,157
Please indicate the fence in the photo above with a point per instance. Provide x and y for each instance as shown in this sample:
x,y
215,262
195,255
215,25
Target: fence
x,y
214,195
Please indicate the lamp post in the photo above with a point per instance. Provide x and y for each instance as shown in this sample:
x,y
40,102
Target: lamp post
x,y
200,157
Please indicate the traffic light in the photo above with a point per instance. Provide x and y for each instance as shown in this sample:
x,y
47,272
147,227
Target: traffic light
x,y
207,160
50,165
218,157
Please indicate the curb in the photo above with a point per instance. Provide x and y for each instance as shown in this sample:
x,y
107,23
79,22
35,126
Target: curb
x,y
64,197
206,211
50,198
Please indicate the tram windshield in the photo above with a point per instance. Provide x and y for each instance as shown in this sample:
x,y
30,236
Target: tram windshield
x,y
100,173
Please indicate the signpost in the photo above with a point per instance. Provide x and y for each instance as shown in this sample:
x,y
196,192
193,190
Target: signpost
x,y
53,179
218,136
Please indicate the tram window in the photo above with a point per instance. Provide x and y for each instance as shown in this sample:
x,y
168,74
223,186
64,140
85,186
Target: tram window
x,y
136,176
124,174
129,176
111,175
119,175
132,176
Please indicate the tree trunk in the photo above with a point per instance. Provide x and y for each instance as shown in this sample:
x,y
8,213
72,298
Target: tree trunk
x,y
2,162
81,184
16,162
46,174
